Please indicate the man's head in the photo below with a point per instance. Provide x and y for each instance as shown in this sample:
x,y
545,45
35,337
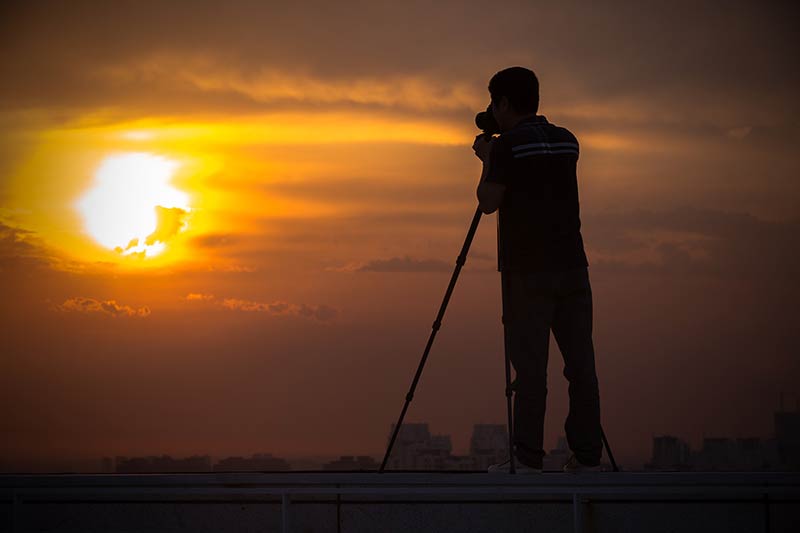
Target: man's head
x,y
515,94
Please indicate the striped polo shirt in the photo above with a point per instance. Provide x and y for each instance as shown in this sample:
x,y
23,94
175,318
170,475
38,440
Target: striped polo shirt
x,y
538,222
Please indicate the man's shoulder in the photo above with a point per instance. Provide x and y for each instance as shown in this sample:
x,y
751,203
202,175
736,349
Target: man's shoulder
x,y
563,133
539,131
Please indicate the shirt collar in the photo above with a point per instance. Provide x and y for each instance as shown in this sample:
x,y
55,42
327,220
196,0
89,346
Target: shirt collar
x,y
531,120
535,119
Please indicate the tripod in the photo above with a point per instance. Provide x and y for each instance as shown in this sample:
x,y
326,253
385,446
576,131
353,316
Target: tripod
x,y
462,258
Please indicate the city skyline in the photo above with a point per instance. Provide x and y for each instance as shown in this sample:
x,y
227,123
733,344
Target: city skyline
x,y
488,444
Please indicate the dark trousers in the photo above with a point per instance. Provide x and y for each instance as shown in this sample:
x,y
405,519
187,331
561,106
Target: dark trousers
x,y
533,304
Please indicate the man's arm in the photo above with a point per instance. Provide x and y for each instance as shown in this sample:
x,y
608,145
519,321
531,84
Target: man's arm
x,y
490,194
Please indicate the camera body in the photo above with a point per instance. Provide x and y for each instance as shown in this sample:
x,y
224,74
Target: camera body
x,y
486,122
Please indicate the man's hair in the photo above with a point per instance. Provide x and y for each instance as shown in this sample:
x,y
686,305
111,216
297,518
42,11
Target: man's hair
x,y
520,85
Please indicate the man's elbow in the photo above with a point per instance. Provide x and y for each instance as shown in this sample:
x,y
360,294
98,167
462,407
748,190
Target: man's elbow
x,y
489,198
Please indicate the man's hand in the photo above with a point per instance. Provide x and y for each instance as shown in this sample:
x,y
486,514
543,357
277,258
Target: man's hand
x,y
482,147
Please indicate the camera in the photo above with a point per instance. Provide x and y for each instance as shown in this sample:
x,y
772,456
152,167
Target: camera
x,y
485,121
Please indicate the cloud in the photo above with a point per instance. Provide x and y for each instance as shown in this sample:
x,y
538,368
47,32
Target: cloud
x,y
170,220
193,296
215,240
740,133
373,190
22,251
685,241
232,268
322,312
18,249
81,304
481,256
415,55
694,241
397,264
211,74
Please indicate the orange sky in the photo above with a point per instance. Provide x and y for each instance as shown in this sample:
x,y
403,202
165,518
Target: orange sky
x,y
299,181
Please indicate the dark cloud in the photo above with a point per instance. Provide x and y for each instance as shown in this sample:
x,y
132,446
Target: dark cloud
x,y
23,252
17,252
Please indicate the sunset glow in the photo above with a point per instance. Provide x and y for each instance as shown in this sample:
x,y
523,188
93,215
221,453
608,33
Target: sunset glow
x,y
207,210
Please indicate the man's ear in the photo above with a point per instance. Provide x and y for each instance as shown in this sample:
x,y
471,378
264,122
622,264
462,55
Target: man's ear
x,y
504,104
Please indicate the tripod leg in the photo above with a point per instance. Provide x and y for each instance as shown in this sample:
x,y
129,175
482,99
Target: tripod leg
x,y
462,258
608,449
509,393
509,390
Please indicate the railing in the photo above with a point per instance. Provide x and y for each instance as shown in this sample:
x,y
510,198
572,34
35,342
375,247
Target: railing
x,y
759,487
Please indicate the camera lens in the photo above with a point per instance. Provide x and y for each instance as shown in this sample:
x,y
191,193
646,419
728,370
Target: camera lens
x,y
485,121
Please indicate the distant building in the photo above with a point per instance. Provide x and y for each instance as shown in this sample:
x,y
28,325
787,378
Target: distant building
x,y
107,465
751,454
488,445
163,463
717,453
349,462
260,462
734,454
416,449
669,453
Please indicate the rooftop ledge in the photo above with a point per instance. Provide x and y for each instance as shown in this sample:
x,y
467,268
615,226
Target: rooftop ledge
x,y
404,501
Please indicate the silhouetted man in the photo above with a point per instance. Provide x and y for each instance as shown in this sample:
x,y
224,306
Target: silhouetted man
x,y
529,173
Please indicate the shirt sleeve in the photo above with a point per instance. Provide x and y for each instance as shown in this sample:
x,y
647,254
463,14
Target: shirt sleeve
x,y
499,162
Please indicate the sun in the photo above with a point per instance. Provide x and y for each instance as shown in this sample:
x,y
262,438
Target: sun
x,y
132,207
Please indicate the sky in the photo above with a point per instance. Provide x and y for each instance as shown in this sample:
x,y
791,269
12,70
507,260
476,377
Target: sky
x,y
227,227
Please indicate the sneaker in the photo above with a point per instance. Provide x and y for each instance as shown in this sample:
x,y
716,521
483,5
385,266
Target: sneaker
x,y
519,468
573,465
